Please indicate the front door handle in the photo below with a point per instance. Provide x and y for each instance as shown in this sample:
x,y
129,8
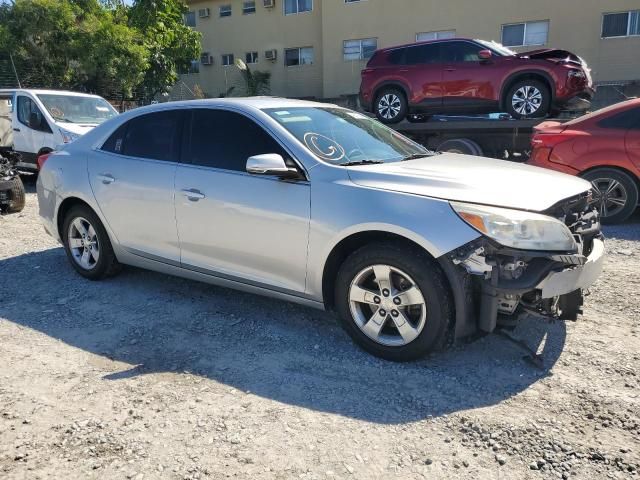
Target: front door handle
x,y
193,194
106,178
16,129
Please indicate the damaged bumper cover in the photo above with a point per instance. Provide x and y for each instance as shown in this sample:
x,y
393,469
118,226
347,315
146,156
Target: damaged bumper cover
x,y
501,283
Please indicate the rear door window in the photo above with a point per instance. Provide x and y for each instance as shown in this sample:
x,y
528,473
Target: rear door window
x,y
224,139
422,54
155,136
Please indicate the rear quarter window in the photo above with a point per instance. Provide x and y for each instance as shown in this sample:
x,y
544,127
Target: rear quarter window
x,y
629,119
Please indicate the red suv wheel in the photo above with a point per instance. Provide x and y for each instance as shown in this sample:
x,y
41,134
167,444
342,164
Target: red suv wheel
x,y
528,99
390,106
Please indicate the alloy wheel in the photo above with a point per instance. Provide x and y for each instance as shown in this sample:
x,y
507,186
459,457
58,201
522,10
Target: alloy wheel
x,y
387,305
83,243
526,100
609,195
389,106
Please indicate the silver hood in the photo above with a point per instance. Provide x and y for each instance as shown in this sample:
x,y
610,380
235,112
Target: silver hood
x,y
466,178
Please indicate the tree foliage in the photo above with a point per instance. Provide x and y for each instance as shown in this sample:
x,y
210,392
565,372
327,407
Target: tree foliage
x,y
102,46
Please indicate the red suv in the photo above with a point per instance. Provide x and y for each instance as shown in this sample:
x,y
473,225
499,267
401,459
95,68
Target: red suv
x,y
602,147
472,76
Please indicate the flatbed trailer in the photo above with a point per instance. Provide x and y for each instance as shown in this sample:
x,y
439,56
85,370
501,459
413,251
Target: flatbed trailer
x,y
492,136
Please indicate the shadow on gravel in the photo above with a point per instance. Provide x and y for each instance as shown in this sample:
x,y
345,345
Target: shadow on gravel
x,y
284,352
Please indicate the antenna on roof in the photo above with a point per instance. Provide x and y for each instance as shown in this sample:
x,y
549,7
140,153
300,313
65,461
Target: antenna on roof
x,y
15,72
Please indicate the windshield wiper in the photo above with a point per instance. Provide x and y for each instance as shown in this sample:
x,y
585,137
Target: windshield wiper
x,y
360,162
416,156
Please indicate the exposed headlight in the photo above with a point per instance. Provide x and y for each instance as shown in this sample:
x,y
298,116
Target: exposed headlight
x,y
67,136
517,229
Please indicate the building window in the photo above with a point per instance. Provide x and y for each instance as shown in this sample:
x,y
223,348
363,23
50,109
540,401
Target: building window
x,y
248,8
352,1
297,6
623,24
526,33
251,57
298,56
227,59
359,49
190,19
225,10
439,35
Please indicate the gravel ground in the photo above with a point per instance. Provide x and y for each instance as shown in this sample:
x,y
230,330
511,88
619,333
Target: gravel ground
x,y
149,376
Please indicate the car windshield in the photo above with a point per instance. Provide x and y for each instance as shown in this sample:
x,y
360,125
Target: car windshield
x,y
77,109
344,137
498,48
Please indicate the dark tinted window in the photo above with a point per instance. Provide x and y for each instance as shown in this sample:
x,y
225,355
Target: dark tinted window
x,y
623,120
396,56
155,136
222,139
460,52
420,54
27,107
115,142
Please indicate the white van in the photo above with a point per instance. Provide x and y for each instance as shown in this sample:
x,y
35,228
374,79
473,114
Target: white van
x,y
33,122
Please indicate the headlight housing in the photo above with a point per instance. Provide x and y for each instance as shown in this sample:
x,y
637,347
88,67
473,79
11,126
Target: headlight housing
x,y
67,136
516,228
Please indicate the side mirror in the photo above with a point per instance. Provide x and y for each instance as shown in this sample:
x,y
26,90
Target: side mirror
x,y
35,121
485,54
271,164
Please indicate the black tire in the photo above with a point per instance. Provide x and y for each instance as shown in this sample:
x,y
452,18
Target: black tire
x,y
626,189
396,103
461,145
543,104
17,195
107,263
426,275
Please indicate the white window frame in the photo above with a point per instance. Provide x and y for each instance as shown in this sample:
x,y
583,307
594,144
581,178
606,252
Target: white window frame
x,y
254,56
361,52
628,12
248,10
227,8
436,33
524,33
297,12
233,59
299,49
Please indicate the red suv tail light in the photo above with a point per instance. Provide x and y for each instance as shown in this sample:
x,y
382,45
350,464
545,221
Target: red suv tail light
x,y
43,158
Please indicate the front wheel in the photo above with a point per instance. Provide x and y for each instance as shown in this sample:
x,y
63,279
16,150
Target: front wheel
x,y
528,99
393,301
391,106
615,194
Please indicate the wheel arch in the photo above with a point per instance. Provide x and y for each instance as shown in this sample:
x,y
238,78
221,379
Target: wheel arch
x,y
527,74
394,84
619,168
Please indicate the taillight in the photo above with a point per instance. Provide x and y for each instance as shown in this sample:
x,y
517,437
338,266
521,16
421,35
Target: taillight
x,y
550,140
43,158
366,71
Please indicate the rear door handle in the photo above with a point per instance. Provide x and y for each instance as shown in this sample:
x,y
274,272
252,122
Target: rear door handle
x,y
449,69
193,194
106,178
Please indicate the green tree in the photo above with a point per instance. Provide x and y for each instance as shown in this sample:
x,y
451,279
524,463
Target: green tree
x,y
171,45
255,82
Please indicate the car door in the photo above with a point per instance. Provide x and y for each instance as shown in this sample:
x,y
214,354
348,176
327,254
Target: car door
x,y
632,137
467,81
232,224
132,176
30,129
421,68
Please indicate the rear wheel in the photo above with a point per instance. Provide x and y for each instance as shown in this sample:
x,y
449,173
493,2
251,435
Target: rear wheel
x,y
16,196
393,301
615,194
461,145
390,106
528,99
87,244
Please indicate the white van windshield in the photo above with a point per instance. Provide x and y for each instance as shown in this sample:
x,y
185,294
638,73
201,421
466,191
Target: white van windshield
x,y
77,109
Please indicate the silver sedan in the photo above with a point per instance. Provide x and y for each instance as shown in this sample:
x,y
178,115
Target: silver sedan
x,y
321,205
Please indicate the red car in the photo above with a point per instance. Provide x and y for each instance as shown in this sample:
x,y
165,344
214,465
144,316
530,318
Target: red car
x,y
472,76
602,147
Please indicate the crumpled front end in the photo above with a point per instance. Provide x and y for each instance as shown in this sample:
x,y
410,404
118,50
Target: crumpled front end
x,y
502,283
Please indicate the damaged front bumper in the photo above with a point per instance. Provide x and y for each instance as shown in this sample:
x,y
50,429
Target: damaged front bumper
x,y
499,284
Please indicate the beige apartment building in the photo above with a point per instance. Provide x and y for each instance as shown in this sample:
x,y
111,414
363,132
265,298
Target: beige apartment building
x,y
317,48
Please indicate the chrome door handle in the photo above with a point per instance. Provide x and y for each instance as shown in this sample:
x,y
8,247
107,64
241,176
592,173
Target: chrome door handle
x,y
193,194
106,178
